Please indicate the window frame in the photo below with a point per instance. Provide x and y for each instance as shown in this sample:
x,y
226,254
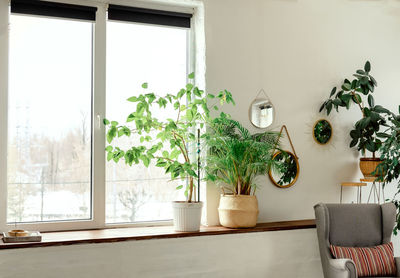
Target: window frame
x,y
98,173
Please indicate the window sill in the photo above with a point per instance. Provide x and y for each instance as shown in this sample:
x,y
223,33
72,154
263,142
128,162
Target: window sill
x,y
145,233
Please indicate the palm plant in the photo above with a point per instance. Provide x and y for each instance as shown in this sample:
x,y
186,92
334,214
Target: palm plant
x,y
237,157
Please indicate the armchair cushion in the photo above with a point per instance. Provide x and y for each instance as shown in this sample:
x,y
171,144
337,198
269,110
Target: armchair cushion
x,y
369,261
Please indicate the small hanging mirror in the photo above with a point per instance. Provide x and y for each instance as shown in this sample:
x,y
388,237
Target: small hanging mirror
x,y
261,111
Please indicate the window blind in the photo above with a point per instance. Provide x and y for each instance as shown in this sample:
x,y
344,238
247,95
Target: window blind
x,y
53,9
150,16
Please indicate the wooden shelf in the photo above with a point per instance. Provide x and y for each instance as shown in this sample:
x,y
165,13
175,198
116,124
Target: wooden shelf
x,y
146,233
353,184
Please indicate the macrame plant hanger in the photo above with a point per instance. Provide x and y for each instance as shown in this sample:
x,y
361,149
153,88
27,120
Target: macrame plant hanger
x,y
284,128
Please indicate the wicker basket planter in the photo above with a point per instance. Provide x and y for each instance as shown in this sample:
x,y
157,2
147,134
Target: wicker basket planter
x,y
368,166
238,211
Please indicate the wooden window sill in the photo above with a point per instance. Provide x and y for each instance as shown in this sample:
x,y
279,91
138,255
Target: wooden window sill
x,y
145,233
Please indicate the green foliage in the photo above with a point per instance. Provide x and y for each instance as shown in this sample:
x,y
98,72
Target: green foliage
x,y
388,170
237,157
359,92
322,131
289,168
168,140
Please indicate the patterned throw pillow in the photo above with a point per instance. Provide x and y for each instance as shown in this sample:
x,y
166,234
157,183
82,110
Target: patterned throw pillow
x,y
369,261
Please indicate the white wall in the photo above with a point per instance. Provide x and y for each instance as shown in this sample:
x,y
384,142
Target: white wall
x,y
268,254
297,50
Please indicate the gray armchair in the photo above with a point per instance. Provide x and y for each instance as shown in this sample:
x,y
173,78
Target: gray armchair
x,y
352,225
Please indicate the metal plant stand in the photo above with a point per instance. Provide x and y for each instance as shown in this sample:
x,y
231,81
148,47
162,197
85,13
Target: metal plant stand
x,y
376,190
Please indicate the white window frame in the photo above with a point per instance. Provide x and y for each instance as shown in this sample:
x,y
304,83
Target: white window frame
x,y
98,220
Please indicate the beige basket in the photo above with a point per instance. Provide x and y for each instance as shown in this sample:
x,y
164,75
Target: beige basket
x,y
238,211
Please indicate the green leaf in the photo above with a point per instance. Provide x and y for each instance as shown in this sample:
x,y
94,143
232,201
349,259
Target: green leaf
x,y
364,122
130,118
329,107
322,107
357,98
132,99
346,86
179,187
367,66
109,156
382,135
114,123
146,160
189,87
361,72
364,80
106,122
373,81
333,92
380,109
371,101
353,142
145,85
109,148
197,92
191,75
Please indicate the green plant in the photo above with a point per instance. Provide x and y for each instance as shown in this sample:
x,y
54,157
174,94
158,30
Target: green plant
x,y
288,169
388,170
359,91
237,157
167,142
322,131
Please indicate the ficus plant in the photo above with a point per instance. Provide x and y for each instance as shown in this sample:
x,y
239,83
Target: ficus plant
x,y
166,142
359,91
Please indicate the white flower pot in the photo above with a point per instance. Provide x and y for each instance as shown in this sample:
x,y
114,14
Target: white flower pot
x,y
187,216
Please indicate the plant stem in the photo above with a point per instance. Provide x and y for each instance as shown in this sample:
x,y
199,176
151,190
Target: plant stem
x,y
359,104
190,189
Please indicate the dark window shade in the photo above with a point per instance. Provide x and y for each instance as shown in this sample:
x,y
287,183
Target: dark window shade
x,y
52,9
140,15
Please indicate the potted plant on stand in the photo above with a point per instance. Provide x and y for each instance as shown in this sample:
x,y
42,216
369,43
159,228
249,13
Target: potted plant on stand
x,y
364,135
168,142
235,159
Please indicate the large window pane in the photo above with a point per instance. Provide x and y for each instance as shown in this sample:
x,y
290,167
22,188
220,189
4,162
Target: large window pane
x,y
49,130
138,53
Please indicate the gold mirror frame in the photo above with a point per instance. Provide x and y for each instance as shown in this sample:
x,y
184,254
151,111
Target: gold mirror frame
x,y
313,132
295,178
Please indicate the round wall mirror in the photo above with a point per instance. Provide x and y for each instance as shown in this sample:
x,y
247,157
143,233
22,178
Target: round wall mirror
x,y
322,131
288,171
261,113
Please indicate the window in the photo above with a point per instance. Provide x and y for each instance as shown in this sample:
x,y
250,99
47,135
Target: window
x,y
57,95
134,56
49,128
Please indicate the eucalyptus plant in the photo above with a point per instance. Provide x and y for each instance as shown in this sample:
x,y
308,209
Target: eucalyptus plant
x,y
359,91
237,157
166,141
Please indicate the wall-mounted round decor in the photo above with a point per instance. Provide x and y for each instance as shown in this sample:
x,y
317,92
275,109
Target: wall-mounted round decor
x,y
288,172
322,131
